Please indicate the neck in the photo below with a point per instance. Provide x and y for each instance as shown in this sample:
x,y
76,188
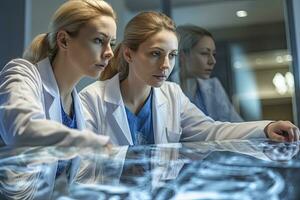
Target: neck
x,y
134,95
66,79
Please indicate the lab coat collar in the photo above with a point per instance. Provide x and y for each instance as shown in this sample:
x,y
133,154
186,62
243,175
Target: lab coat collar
x,y
112,93
51,91
159,97
206,85
53,97
113,97
49,82
159,111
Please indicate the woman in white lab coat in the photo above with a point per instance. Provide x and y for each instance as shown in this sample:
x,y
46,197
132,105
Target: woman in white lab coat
x,y
196,62
39,104
135,104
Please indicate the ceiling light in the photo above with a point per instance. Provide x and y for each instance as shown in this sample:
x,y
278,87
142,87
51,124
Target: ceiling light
x,y
241,13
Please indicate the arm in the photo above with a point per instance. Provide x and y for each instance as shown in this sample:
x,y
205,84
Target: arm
x,y
196,126
21,108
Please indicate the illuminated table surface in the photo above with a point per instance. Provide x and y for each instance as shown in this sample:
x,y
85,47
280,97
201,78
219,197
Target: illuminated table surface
x,y
232,169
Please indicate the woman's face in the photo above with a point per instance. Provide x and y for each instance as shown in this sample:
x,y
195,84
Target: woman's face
x,y
201,60
154,60
90,50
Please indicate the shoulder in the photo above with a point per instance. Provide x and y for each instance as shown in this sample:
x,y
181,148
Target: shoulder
x,y
20,65
94,89
20,69
171,89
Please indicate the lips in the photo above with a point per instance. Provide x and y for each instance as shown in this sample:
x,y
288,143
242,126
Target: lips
x,y
160,77
101,66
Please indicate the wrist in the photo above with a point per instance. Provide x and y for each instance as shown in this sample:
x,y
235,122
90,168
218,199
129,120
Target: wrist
x,y
266,129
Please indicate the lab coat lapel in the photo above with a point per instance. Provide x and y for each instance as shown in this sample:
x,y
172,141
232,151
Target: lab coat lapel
x,y
51,91
159,111
115,106
78,110
206,87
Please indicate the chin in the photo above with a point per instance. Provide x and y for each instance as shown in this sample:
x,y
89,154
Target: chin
x,y
157,84
205,77
95,74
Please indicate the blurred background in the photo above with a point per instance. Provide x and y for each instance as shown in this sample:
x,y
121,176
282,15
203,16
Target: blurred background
x,y
256,41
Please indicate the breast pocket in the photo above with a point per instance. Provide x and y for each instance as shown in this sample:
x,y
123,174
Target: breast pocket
x,y
173,136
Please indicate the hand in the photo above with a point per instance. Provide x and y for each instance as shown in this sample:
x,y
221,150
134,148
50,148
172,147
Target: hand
x,y
282,131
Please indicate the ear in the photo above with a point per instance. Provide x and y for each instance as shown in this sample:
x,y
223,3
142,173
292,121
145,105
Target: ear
x,y
127,54
62,40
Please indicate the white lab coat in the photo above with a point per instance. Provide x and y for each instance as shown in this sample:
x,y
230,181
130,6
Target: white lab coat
x,y
214,97
175,118
29,97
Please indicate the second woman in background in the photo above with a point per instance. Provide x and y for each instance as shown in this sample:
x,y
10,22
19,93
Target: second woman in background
x,y
135,104
196,62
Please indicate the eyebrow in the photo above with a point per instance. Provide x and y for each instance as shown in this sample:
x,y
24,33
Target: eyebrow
x,y
208,49
162,49
106,36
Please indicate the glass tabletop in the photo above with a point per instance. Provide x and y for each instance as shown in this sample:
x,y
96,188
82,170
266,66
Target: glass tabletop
x,y
232,169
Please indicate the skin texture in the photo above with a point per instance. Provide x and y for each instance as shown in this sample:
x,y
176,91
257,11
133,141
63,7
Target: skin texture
x,y
200,61
149,66
85,54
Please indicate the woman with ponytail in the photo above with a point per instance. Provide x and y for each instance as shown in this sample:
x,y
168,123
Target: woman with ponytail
x,y
134,104
39,104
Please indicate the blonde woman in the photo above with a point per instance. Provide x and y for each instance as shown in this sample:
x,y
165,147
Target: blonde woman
x,y
39,104
136,105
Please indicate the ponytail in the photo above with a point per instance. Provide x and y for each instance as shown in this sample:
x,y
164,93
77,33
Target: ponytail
x,y
38,49
116,65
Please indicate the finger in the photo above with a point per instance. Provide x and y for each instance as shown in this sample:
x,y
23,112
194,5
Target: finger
x,y
276,137
296,133
290,137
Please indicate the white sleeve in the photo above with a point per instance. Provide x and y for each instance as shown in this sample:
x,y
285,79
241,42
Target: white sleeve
x,y
196,126
23,121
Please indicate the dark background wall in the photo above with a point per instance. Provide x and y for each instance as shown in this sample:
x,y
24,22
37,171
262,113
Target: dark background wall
x,y
12,23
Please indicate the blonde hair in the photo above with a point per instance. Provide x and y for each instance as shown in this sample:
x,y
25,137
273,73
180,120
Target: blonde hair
x,y
141,27
70,16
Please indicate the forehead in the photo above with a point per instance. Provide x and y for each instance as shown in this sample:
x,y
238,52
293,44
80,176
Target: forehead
x,y
164,39
206,42
101,24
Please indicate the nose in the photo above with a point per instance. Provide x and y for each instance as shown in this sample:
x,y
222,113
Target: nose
x,y
212,59
165,63
108,52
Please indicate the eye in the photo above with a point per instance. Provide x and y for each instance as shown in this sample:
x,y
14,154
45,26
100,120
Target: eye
x,y
172,55
112,44
155,53
98,41
204,53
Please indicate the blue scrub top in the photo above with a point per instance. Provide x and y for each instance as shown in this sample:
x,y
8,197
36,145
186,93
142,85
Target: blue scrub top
x,y
69,121
141,125
199,101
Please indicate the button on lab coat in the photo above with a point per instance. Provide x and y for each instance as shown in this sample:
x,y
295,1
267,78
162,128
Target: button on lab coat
x,y
175,118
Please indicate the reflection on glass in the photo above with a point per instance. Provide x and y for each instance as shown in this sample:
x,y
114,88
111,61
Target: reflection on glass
x,y
233,169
